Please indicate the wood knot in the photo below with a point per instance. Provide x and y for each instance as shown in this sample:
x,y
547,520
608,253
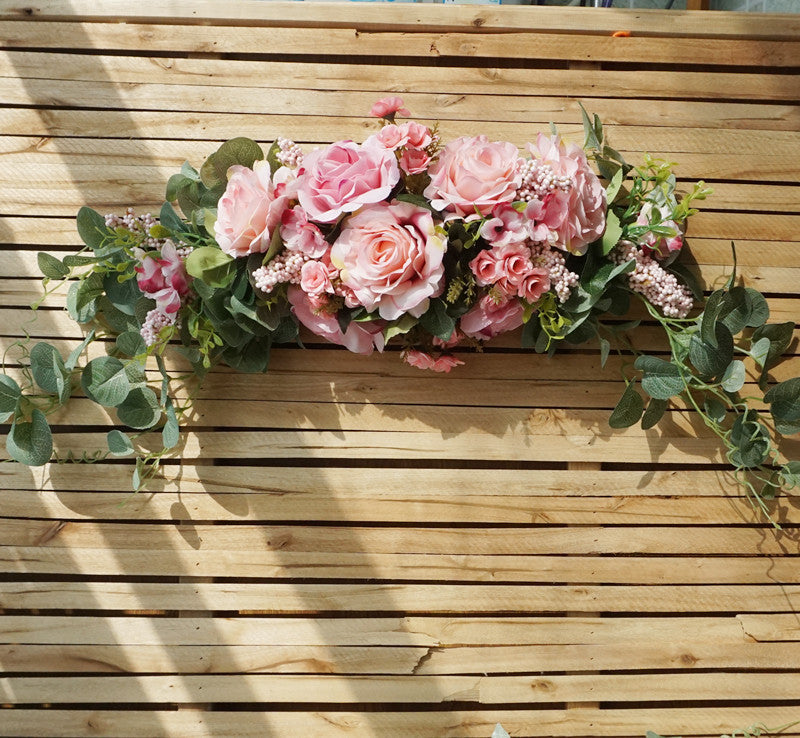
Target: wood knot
x,y
478,22
687,659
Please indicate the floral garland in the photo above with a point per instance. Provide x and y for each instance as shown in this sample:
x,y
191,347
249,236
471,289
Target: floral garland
x,y
402,237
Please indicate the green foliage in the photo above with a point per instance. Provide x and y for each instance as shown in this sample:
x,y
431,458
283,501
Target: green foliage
x,y
629,408
119,444
105,381
211,265
30,442
437,321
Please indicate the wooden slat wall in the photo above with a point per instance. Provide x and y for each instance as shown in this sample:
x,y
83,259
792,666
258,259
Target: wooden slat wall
x,y
351,547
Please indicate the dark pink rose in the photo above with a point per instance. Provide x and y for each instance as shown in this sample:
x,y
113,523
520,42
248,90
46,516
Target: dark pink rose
x,y
343,177
488,318
474,173
390,255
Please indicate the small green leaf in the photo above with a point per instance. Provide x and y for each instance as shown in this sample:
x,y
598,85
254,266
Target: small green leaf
x,y
104,380
605,349
399,327
171,432
715,409
780,336
790,475
119,444
759,350
784,400
243,151
437,321
31,443
750,441
500,732
140,409
9,396
49,371
744,307
131,343
75,354
660,379
655,411
51,267
733,378
170,219
709,318
629,408
613,231
614,187
210,265
92,228
710,360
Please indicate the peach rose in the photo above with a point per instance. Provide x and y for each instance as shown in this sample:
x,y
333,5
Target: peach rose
x,y
251,207
585,219
474,173
488,318
360,338
390,255
344,176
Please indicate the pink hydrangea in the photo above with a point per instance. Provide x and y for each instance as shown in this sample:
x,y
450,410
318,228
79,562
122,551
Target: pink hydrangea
x,y
343,177
488,318
474,174
388,107
421,360
299,235
251,207
390,255
360,338
584,220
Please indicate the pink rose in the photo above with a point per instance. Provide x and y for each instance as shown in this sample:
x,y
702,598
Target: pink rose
x,y
390,255
488,318
485,267
344,176
534,284
315,279
654,244
513,264
388,107
586,205
414,161
249,209
360,338
506,226
417,135
390,137
300,235
474,173
421,360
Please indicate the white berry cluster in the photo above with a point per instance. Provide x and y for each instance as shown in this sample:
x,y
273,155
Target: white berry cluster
x,y
538,180
135,224
289,153
562,280
650,279
284,267
154,322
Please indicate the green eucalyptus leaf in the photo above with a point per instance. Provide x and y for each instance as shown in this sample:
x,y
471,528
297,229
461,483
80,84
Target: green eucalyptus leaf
x,y
210,265
660,379
170,219
104,380
49,371
242,151
614,187
72,359
732,379
708,359
750,441
119,444
131,343
92,228
123,295
9,396
790,475
779,336
31,443
436,321
745,307
51,267
82,298
399,327
500,732
605,349
709,318
655,411
77,260
628,410
140,409
171,432
784,400
715,409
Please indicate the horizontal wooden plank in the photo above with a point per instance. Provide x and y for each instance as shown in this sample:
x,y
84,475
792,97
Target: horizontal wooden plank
x,y
619,722
545,19
355,42
301,598
405,79
406,660
271,544
419,689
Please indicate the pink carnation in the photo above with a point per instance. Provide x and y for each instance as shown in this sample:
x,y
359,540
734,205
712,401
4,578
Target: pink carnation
x,y
586,202
390,255
360,338
298,234
421,360
488,318
250,208
388,107
474,173
506,226
343,177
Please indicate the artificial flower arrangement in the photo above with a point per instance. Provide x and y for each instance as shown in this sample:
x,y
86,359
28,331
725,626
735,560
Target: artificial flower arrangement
x,y
433,245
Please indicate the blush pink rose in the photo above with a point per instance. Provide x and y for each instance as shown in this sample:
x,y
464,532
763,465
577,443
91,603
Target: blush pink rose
x,y
315,278
585,220
300,235
390,136
474,173
421,360
414,161
534,284
513,265
360,338
417,135
488,318
388,107
251,207
343,177
390,255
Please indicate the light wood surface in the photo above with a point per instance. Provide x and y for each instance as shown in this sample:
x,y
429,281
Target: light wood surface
x,y
352,547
